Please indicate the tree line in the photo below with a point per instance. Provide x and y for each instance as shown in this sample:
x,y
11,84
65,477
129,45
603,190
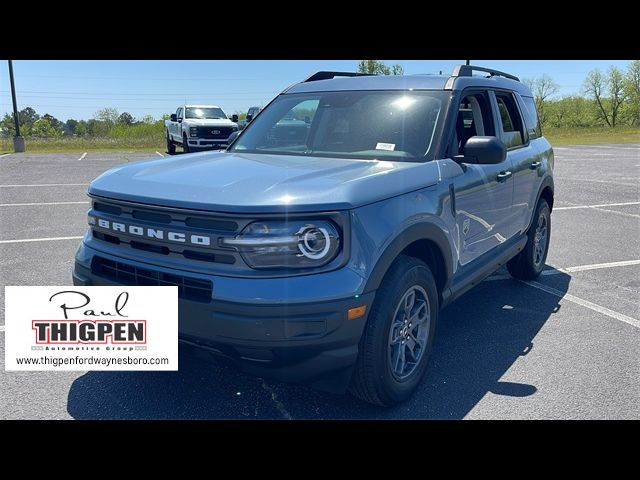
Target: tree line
x,y
107,122
607,99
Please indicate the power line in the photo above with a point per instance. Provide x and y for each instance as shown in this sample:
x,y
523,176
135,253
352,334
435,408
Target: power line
x,y
107,99
86,106
182,94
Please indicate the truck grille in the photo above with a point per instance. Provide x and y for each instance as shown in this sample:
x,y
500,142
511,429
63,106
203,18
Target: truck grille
x,y
209,132
197,256
188,288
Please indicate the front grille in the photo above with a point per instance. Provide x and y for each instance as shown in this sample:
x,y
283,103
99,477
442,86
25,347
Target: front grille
x,y
207,132
188,288
210,225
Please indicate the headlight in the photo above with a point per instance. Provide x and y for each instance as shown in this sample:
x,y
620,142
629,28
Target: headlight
x,y
193,131
294,244
234,128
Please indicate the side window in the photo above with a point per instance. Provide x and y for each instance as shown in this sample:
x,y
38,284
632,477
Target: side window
x,y
474,119
531,118
179,113
512,126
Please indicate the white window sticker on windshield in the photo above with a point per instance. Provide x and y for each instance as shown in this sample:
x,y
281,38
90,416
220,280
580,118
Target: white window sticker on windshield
x,y
386,146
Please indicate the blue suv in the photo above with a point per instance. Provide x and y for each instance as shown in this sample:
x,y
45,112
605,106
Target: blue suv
x,y
321,245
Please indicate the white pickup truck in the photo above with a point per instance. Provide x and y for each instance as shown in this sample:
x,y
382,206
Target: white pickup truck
x,y
199,126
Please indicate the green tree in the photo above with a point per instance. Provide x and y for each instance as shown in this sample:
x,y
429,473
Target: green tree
x,y
107,115
593,87
55,123
7,127
542,88
43,128
70,126
378,67
632,90
27,116
617,94
125,118
81,128
608,92
98,128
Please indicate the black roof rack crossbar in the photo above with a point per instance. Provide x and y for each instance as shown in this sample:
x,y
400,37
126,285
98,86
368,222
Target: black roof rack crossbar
x,y
329,75
467,71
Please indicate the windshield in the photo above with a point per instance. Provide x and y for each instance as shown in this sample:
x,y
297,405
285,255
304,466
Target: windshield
x,y
394,125
204,112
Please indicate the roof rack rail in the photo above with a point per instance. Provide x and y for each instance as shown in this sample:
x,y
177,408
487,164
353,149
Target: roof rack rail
x,y
329,75
467,71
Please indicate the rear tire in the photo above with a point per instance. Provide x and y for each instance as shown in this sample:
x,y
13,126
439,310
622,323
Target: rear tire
x,y
171,147
185,144
398,337
528,264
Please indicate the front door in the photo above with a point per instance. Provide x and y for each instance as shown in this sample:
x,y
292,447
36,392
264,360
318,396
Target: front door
x,y
483,193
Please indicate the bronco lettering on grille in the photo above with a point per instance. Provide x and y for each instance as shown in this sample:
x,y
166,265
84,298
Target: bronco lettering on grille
x,y
150,233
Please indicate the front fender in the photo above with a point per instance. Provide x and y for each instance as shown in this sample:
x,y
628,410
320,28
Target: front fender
x,y
418,231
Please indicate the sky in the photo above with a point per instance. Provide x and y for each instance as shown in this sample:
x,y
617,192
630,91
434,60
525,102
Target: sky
x,y
78,88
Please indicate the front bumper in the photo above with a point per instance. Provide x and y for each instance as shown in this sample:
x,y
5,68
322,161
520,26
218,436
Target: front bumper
x,y
291,339
208,143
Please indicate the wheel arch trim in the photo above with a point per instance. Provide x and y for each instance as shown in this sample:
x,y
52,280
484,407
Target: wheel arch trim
x,y
421,231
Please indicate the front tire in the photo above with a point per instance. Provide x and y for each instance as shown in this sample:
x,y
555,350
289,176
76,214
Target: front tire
x,y
185,144
398,337
171,147
528,264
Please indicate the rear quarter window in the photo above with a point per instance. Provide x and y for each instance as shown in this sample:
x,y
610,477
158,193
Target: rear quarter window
x,y
531,118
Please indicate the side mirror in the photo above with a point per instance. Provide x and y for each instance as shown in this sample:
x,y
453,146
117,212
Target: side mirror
x,y
483,151
249,117
173,117
234,118
232,137
307,119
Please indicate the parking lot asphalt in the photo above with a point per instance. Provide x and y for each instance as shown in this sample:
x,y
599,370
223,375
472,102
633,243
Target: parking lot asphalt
x,y
564,347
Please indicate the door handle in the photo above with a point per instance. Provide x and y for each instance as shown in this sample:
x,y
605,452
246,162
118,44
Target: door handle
x,y
535,165
503,176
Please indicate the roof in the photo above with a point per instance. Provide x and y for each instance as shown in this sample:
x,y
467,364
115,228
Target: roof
x,y
201,106
407,82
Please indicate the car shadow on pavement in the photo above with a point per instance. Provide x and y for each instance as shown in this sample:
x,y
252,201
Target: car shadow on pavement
x,y
479,338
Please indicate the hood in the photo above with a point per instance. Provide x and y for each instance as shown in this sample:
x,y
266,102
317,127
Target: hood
x,y
259,183
209,122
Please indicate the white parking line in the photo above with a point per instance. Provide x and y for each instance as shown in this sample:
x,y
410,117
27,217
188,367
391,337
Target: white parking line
x,y
1,328
588,180
579,268
577,207
624,214
38,204
46,185
83,155
596,266
50,239
159,154
585,303
4,155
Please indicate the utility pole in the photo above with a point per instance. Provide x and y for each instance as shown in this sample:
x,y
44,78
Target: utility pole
x,y
18,141
468,62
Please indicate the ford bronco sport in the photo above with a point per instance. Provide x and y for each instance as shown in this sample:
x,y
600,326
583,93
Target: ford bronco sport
x,y
321,244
